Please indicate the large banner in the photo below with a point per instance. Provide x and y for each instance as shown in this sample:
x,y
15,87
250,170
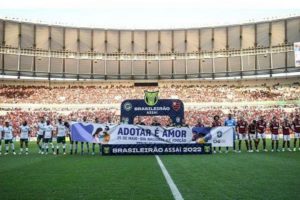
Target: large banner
x,y
135,139
297,54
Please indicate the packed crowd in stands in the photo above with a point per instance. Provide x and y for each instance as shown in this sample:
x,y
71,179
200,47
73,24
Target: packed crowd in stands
x,y
112,115
117,93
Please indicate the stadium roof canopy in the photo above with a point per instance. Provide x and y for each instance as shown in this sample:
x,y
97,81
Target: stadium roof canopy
x,y
145,14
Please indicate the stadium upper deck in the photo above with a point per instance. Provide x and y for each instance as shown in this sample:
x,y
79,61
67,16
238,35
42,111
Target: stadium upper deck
x,y
52,51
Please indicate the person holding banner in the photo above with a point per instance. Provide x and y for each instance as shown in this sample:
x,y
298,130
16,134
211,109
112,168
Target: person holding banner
x,y
199,123
216,123
96,140
261,126
84,120
241,128
140,121
170,123
184,124
155,122
232,123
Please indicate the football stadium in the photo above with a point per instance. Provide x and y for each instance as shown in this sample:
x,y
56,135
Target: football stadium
x,y
155,100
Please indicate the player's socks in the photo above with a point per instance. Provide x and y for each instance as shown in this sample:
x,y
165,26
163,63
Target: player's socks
x,y
26,149
57,150
21,150
264,144
277,143
88,147
6,148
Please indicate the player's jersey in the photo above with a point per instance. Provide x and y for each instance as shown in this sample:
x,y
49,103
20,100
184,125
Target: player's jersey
x,y
242,126
216,124
230,122
252,128
41,128
1,130
261,126
48,131
296,124
274,127
61,130
199,125
286,128
24,132
8,133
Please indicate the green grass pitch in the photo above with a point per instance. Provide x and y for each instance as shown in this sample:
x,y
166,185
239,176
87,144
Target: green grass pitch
x,y
221,176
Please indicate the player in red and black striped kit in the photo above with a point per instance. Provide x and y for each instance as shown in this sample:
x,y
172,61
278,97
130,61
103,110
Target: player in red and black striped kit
x,y
241,129
216,123
296,129
274,128
261,126
286,127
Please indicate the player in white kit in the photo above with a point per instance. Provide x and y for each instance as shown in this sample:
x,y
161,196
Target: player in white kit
x,y
47,137
61,131
24,136
40,133
8,138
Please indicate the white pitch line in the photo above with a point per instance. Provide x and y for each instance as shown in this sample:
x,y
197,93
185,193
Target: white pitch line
x,y
176,194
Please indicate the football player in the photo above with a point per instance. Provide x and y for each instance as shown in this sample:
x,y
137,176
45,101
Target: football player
x,y
24,136
261,126
286,127
47,137
216,123
96,140
241,129
1,132
84,119
274,128
232,123
252,135
40,133
8,137
61,131
296,129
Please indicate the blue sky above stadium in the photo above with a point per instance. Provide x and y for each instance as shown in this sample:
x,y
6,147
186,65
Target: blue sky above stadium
x,y
139,14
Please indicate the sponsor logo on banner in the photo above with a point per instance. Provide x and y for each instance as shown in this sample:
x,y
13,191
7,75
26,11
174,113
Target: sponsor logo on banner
x,y
127,106
176,105
151,98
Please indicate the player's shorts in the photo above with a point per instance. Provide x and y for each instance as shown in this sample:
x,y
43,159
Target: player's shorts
x,y
40,137
275,137
24,140
243,136
252,137
8,141
297,135
61,139
286,138
47,140
261,136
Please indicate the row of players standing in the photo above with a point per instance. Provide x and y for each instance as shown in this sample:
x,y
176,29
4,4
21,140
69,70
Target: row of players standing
x,y
45,134
256,130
